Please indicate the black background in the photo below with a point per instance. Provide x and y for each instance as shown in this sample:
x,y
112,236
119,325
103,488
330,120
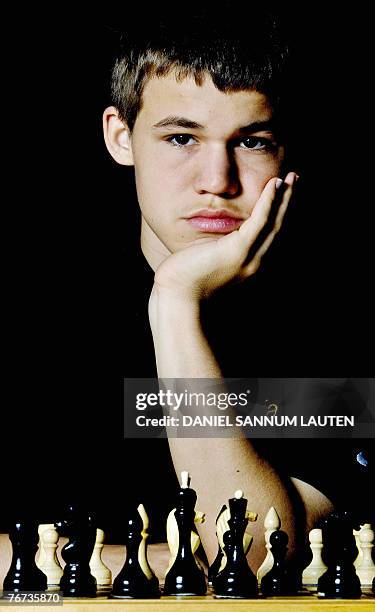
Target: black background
x,y
70,233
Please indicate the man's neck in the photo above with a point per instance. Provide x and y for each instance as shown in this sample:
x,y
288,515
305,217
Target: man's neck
x,y
152,248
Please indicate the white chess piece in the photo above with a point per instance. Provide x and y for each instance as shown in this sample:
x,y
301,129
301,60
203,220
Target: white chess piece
x,y
359,549
142,550
100,571
365,567
48,562
271,523
185,479
317,567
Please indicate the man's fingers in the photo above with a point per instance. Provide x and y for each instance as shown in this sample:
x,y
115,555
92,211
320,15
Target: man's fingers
x,y
266,234
256,234
258,218
260,215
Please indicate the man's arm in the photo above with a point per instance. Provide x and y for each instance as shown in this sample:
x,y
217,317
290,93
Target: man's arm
x,y
219,466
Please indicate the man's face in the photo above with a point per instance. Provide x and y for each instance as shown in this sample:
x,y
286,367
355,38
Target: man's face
x,y
202,159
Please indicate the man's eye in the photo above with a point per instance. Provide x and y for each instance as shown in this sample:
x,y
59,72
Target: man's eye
x,y
181,140
256,144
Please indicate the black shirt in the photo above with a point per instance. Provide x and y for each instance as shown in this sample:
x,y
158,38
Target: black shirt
x,y
71,446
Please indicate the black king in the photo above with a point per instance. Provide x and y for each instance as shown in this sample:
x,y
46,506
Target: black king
x,y
185,576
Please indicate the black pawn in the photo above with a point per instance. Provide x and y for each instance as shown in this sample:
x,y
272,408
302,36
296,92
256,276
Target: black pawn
x,y
132,582
214,568
79,527
373,585
236,579
23,574
340,580
185,577
281,579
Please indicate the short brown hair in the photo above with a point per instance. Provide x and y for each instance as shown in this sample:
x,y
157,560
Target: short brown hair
x,y
236,55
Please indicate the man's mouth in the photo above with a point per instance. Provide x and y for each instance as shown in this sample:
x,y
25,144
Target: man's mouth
x,y
215,221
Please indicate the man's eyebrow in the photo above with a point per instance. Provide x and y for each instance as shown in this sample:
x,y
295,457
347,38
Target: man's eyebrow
x,y
173,121
268,125
176,122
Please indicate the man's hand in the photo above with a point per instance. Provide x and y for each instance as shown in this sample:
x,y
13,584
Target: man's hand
x,y
196,272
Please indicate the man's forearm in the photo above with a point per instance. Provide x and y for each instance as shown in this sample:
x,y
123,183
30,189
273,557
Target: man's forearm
x,y
181,349
218,466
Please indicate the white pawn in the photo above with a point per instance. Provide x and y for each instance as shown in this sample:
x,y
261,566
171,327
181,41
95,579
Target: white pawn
x,y
317,567
48,562
271,523
100,571
366,568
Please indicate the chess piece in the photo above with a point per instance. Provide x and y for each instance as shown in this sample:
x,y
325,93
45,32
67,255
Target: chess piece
x,y
281,578
99,570
184,575
79,527
136,579
222,527
271,523
23,574
317,567
340,580
365,568
358,545
235,580
48,562
214,568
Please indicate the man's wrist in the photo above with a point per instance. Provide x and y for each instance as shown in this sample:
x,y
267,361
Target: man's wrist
x,y
174,304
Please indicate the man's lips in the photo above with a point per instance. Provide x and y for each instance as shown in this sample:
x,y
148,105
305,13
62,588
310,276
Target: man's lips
x,y
215,221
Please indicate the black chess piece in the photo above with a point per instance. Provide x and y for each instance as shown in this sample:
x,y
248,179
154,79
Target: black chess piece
x,y
23,574
80,528
236,580
282,578
373,585
214,568
185,577
340,580
136,579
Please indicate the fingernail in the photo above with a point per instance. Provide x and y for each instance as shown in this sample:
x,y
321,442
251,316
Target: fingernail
x,y
279,182
297,177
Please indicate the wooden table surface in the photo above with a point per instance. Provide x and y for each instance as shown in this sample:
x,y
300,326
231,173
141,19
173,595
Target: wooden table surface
x,y
209,604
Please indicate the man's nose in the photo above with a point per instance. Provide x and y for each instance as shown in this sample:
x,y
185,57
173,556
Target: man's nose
x,y
217,173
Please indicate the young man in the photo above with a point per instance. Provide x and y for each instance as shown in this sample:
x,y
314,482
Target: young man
x,y
199,114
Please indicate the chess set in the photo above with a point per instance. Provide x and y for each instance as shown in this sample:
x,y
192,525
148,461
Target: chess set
x,y
341,574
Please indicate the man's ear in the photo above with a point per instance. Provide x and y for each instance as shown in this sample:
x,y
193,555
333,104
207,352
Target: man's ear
x,y
117,137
